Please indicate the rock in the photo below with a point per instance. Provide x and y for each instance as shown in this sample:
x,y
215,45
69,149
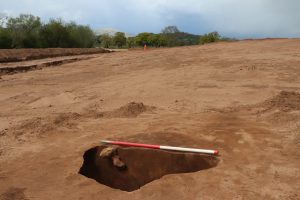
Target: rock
x,y
111,153
108,152
118,163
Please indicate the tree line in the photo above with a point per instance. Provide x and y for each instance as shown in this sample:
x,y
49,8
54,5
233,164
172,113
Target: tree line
x,y
27,31
170,36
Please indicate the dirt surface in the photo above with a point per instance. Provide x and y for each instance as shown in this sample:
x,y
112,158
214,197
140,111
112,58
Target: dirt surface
x,y
16,55
29,65
241,98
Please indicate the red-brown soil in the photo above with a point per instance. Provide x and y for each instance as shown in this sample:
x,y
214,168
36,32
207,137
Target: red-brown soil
x,y
241,98
29,65
14,55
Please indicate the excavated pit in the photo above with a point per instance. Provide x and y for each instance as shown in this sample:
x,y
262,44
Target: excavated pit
x,y
141,166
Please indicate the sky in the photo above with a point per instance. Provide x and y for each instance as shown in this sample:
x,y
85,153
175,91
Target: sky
x,y
231,18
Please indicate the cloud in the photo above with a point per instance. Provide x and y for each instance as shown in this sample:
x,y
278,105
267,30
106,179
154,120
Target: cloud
x,y
255,18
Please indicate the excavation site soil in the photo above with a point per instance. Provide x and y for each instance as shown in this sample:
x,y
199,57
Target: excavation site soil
x,y
241,98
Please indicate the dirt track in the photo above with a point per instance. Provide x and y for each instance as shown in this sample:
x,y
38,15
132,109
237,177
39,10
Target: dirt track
x,y
241,98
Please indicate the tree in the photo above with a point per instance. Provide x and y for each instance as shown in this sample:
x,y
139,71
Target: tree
x,y
5,39
105,40
210,37
162,40
55,34
157,40
153,40
170,29
131,42
143,38
119,39
24,30
27,31
80,36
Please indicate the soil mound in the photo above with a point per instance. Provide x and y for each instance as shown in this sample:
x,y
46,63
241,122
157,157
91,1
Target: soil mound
x,y
65,118
285,101
131,109
142,166
15,55
20,68
34,127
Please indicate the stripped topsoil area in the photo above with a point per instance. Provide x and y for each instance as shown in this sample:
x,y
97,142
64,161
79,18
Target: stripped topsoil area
x,y
241,98
23,60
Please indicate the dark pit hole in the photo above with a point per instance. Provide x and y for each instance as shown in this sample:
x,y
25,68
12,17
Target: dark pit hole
x,y
142,166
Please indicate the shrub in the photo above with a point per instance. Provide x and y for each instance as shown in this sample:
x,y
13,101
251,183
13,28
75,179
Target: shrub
x,y
210,37
105,40
119,39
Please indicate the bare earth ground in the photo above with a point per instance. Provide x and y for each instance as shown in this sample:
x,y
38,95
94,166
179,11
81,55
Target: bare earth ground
x,y
241,98
14,55
29,65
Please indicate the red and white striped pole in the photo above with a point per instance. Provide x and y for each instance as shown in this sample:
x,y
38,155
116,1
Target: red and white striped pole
x,y
151,146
